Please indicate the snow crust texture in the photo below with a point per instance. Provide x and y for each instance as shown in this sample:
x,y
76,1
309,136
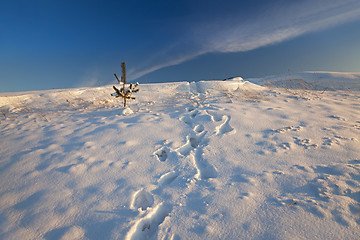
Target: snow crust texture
x,y
270,158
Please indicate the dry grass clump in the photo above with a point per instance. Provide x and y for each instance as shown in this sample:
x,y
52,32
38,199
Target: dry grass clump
x,y
298,88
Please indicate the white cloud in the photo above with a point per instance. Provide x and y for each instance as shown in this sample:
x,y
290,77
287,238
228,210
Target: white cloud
x,y
177,59
284,23
234,34
89,79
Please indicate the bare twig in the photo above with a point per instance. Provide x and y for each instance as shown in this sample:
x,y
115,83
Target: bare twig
x,y
117,78
293,203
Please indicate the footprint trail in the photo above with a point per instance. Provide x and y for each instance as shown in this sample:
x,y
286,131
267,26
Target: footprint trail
x,y
191,166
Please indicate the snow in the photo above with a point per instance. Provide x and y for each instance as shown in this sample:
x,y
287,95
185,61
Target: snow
x,y
270,158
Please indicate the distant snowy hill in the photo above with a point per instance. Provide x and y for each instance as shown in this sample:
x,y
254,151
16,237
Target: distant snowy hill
x,y
267,158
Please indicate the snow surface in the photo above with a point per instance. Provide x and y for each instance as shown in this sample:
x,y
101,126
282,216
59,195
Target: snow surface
x,y
270,158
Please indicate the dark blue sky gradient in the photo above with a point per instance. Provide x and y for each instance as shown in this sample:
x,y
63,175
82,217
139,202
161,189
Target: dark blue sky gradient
x,y
64,44
335,49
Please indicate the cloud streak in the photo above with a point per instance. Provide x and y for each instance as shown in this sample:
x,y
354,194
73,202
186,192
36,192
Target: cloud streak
x,y
236,34
282,24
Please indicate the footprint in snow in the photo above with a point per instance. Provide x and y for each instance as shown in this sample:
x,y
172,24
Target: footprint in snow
x,y
356,126
301,168
286,129
167,178
215,117
204,169
306,143
337,117
199,128
333,192
146,227
162,154
142,200
193,141
186,120
194,113
225,127
74,232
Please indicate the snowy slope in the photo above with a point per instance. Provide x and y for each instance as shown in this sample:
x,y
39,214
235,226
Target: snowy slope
x,y
270,158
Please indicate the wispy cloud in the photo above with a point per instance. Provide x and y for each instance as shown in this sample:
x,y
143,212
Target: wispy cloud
x,y
285,22
165,61
235,34
89,79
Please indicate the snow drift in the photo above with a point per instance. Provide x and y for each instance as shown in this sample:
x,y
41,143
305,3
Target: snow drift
x,y
270,158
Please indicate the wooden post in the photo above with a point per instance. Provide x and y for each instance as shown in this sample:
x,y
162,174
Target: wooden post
x,y
123,76
123,68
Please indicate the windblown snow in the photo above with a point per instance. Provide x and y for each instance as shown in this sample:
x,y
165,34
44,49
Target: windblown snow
x,y
270,158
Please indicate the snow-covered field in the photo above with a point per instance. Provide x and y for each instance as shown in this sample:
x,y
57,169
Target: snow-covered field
x,y
270,158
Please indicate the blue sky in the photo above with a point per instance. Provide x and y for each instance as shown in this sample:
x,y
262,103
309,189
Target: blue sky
x,y
64,44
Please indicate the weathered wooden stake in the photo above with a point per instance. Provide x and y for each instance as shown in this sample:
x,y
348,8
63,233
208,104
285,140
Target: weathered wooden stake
x,y
123,76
